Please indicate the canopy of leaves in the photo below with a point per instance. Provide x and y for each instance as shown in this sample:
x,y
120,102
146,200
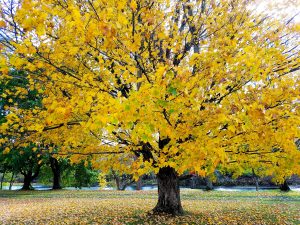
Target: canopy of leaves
x,y
142,85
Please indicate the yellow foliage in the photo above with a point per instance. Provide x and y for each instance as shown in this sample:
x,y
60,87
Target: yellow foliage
x,y
102,180
6,150
140,87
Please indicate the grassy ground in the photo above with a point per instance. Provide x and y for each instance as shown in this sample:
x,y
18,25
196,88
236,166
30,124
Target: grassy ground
x,y
131,207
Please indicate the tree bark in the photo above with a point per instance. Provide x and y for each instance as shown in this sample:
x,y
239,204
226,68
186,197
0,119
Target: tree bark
x,y
56,173
139,184
11,181
117,179
2,179
27,182
209,185
29,177
256,183
255,179
284,186
168,192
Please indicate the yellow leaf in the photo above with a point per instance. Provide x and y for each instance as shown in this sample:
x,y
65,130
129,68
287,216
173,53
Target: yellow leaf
x,y
6,150
2,23
133,5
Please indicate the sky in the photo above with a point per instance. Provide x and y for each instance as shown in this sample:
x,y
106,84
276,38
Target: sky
x,y
285,8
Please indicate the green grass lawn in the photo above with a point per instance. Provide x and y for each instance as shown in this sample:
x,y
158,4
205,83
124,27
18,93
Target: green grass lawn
x,y
132,207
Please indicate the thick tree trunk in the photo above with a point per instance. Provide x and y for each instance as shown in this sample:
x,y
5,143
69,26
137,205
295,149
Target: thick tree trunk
x,y
285,186
168,192
56,173
27,182
29,177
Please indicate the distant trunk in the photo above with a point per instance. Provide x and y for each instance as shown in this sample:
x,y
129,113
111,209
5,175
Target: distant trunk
x,y
125,182
209,185
27,182
2,179
11,181
284,186
168,192
193,181
139,184
122,181
255,179
117,179
256,183
56,173
29,177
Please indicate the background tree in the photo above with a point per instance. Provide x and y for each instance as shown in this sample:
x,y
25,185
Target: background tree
x,y
122,180
53,171
28,163
158,86
18,157
4,168
84,175
255,178
25,161
56,170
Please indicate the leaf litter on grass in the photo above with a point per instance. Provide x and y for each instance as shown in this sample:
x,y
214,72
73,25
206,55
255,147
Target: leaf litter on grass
x,y
129,207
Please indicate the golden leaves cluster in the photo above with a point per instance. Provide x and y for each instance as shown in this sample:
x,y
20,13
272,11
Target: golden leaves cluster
x,y
215,81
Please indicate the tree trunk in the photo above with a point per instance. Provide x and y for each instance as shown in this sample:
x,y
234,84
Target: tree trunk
x,y
118,183
29,177
193,182
27,182
11,181
139,184
56,173
2,179
255,179
209,185
117,179
168,192
256,183
285,186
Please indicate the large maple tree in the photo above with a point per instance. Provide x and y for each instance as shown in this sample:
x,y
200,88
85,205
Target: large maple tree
x,y
157,86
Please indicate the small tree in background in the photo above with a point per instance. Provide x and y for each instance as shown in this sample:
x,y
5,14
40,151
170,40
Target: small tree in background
x,y
84,175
